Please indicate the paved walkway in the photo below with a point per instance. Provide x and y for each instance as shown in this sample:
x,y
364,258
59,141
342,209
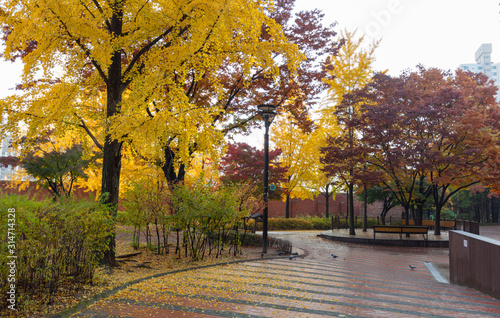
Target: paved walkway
x,y
362,281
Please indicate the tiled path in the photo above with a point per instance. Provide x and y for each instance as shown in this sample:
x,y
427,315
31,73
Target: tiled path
x,y
363,281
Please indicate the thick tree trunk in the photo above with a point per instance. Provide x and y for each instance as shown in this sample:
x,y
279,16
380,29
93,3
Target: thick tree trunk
x,y
168,165
110,189
419,213
112,148
169,169
437,225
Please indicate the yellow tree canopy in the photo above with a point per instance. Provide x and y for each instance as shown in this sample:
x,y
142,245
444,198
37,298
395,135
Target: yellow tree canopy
x,y
318,179
300,154
116,69
349,70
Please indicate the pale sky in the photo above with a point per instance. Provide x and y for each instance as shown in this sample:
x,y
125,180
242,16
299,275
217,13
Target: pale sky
x,y
436,33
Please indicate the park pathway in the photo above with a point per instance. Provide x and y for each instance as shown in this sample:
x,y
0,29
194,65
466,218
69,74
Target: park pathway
x,y
362,281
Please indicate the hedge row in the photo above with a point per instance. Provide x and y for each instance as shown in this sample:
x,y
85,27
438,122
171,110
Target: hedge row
x,y
307,223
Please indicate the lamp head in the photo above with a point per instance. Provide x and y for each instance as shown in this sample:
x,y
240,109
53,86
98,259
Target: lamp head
x,y
266,109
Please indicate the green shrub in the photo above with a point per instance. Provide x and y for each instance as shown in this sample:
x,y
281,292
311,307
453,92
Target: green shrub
x,y
311,223
448,214
321,223
203,211
250,239
283,224
55,244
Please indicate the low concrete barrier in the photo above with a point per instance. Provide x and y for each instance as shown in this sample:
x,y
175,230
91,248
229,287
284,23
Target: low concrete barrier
x,y
474,262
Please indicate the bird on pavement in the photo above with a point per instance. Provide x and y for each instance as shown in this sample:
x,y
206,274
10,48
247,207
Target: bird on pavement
x,y
281,253
334,256
291,257
412,267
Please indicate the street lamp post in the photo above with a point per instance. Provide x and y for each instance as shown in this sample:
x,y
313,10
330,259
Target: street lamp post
x,y
267,112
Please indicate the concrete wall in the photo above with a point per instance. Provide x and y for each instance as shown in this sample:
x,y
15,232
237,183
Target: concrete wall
x,y
475,262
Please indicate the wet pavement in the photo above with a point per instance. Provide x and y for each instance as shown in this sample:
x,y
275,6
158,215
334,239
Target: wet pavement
x,y
361,281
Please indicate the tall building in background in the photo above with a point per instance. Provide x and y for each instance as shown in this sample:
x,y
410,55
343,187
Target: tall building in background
x,y
485,65
5,151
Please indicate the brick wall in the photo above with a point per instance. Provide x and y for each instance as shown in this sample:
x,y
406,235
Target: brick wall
x,y
298,207
33,192
316,207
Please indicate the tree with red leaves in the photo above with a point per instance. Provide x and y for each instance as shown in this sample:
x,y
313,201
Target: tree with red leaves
x,y
429,133
244,164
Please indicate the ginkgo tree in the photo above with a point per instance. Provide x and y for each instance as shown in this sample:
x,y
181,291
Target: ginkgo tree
x,y
117,69
297,156
350,70
320,182
237,90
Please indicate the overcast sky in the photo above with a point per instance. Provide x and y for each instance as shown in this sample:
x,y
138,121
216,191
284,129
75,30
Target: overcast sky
x,y
437,33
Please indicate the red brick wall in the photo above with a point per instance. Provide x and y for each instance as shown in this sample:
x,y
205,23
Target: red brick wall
x,y
298,207
316,207
33,192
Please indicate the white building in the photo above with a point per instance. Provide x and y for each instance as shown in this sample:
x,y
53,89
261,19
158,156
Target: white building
x,y
485,65
5,151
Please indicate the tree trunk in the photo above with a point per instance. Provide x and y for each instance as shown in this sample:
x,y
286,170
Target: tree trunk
x,y
437,225
327,200
168,165
110,189
350,199
287,206
407,214
112,148
494,210
365,212
419,213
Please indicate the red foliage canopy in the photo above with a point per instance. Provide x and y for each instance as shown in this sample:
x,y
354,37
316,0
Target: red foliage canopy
x,y
245,164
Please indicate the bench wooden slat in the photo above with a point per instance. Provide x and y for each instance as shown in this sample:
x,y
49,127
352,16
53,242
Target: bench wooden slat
x,y
387,229
414,230
432,223
400,230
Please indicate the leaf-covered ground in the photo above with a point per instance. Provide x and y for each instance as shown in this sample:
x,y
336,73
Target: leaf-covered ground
x,y
361,281
131,268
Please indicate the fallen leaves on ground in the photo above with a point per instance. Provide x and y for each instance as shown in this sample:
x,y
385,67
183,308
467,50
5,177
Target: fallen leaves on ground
x,y
129,269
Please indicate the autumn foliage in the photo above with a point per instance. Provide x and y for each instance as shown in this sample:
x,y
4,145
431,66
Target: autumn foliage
x,y
424,134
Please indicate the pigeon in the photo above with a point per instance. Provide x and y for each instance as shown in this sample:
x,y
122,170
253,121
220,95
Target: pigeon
x,y
294,253
291,257
412,267
281,253
334,256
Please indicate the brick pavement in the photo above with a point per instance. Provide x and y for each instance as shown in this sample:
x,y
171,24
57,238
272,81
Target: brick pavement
x,y
363,281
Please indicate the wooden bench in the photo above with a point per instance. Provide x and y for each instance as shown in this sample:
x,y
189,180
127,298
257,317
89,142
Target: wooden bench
x,y
257,217
400,230
444,224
